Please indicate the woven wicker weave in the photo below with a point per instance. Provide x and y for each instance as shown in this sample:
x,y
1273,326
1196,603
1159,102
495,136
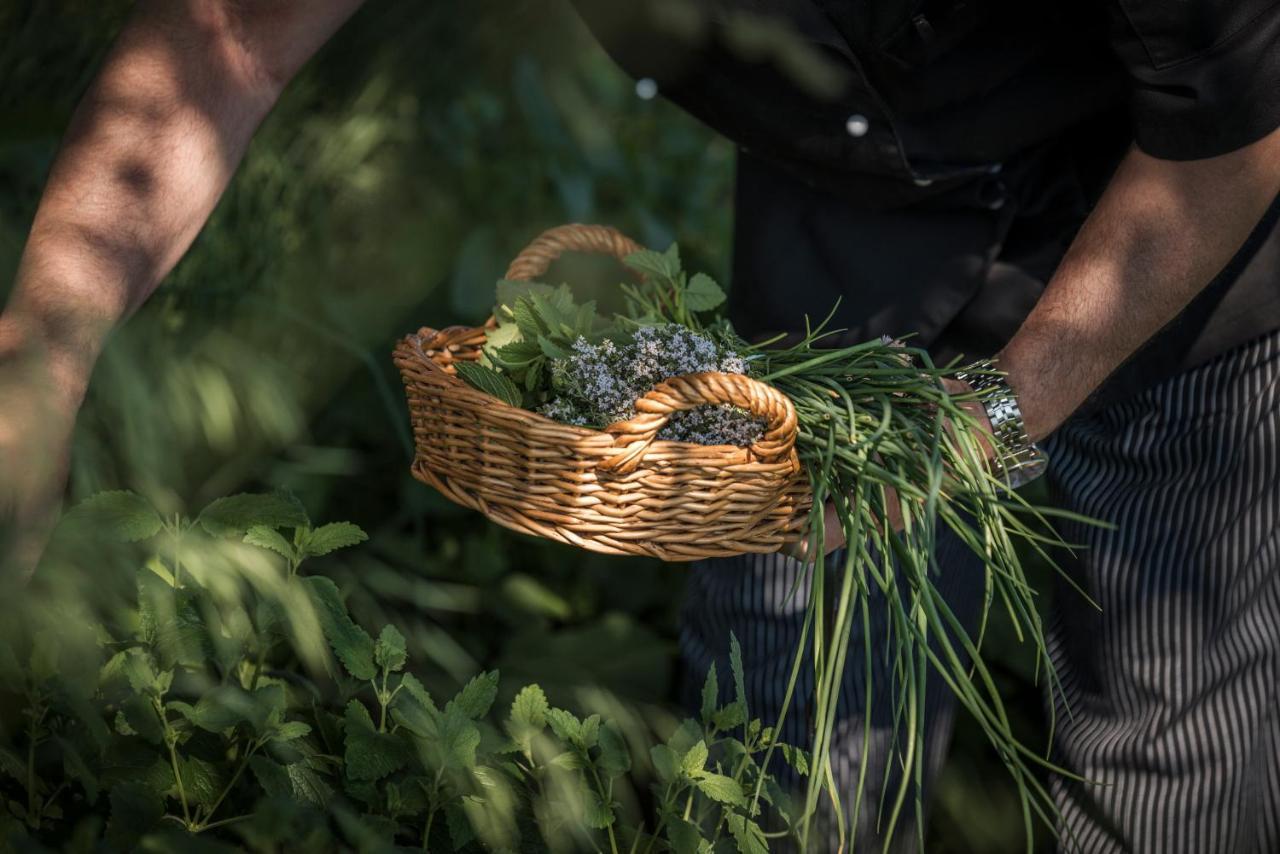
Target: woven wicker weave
x,y
619,490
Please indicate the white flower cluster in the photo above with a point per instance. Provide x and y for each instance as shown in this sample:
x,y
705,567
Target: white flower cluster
x,y
600,383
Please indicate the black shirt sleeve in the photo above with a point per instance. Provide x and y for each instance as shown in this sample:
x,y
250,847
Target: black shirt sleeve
x,y
1205,74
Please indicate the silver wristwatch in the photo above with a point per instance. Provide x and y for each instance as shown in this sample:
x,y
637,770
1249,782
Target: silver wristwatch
x,y
1019,460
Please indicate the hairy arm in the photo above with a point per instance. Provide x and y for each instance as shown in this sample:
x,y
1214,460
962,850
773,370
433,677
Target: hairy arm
x,y
1159,235
148,153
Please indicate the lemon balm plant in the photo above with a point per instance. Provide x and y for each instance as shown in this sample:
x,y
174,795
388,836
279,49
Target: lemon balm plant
x,y
238,706
664,400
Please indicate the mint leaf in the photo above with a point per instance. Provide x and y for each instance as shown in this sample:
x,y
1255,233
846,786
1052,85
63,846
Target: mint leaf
x,y
459,738
665,762
747,834
369,754
728,717
565,725
236,514
702,293
595,812
477,695
223,707
417,711
615,758
721,789
528,715
126,515
510,291
490,382
695,760
684,836
389,652
351,644
290,731
331,537
271,540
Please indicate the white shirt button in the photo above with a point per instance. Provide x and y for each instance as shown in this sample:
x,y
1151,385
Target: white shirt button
x,y
857,125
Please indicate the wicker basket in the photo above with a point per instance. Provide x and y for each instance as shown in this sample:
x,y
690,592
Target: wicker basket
x,y
619,490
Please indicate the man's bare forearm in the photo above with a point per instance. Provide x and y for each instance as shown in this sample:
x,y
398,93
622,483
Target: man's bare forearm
x,y
149,151
1160,234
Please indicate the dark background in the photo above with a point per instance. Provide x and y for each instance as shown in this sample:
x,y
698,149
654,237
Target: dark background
x,y
399,174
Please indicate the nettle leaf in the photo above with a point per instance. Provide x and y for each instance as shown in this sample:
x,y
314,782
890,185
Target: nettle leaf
x,y
369,754
331,537
728,717
695,760
236,514
389,653
351,644
126,515
721,789
710,694
528,715
615,758
271,540
702,293
477,695
490,382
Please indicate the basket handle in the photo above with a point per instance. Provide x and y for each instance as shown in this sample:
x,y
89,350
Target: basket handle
x,y
535,258
679,393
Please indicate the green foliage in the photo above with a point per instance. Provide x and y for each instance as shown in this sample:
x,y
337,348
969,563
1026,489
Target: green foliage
x,y
667,293
491,382
187,748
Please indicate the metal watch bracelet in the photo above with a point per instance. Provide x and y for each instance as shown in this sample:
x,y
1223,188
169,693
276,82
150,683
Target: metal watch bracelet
x,y
1019,460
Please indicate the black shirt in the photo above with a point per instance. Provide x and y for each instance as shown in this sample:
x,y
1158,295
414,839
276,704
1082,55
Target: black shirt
x,y
928,161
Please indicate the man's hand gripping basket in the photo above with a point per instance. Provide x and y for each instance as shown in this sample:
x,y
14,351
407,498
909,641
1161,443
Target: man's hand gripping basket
x,y
619,490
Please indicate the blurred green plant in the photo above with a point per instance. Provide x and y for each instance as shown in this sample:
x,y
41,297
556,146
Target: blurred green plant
x,y
217,712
